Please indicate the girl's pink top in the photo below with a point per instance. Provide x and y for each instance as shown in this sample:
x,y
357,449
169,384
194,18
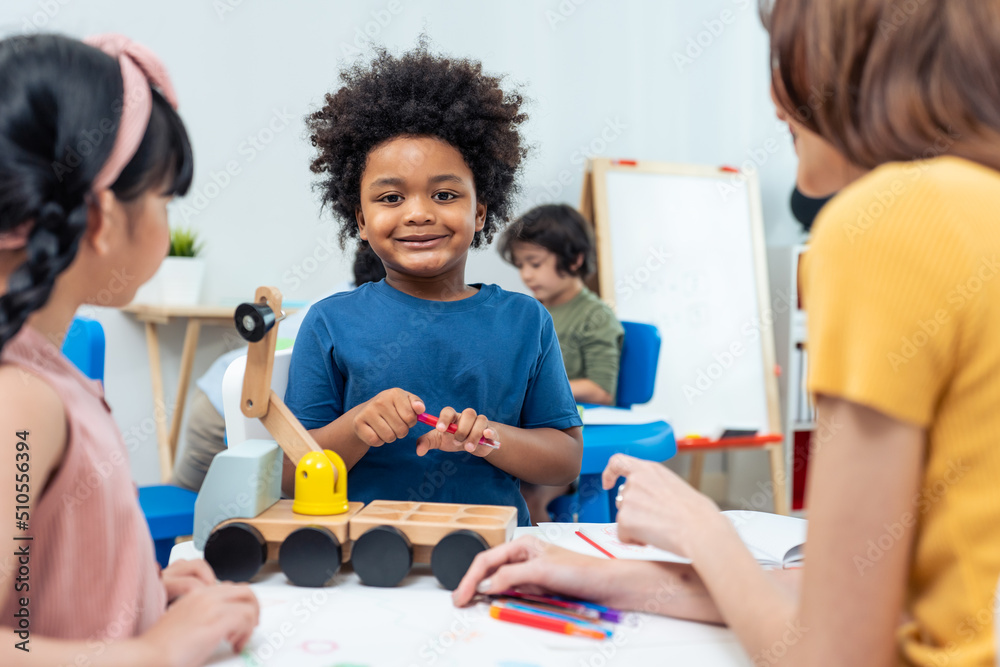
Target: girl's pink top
x,y
92,570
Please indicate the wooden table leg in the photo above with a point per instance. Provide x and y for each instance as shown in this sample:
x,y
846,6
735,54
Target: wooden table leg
x,y
187,361
779,478
694,472
159,405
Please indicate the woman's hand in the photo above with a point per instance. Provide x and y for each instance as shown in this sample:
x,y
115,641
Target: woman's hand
x,y
192,627
657,507
534,566
387,416
184,576
470,428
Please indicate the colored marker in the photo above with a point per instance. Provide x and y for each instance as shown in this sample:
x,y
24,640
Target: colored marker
x,y
502,613
607,613
431,420
625,163
587,609
551,612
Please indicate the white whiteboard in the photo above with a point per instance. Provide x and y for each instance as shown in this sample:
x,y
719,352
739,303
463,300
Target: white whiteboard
x,y
686,250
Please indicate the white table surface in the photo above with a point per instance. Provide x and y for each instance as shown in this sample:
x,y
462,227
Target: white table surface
x,y
415,625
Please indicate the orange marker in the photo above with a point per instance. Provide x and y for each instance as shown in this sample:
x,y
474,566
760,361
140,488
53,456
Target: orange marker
x,y
544,622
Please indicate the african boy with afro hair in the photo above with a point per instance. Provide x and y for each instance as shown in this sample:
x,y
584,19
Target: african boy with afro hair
x,y
418,94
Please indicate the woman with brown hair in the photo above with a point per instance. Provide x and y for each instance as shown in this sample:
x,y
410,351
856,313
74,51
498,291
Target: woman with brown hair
x,y
903,552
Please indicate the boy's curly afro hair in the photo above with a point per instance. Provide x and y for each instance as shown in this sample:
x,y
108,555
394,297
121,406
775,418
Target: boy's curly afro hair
x,y
418,94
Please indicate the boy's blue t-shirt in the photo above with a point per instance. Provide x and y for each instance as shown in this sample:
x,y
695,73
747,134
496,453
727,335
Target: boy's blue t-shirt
x,y
495,352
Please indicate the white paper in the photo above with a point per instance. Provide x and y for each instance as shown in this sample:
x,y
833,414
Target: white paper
x,y
773,539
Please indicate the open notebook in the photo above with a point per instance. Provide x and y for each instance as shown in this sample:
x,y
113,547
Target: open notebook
x,y
775,541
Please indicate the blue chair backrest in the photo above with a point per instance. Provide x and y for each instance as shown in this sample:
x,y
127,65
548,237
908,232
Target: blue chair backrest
x,y
637,370
84,346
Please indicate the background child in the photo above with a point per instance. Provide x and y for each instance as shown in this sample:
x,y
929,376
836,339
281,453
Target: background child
x,y
552,248
84,185
418,156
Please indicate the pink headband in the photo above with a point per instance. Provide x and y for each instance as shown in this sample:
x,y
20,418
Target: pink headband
x,y
140,67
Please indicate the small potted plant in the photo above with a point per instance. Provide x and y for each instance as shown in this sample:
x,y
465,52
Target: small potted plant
x,y
183,270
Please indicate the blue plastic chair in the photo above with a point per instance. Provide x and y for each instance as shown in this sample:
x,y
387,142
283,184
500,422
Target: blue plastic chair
x,y
169,509
653,442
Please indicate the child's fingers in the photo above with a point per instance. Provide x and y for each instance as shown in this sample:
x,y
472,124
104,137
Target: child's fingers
x,y
199,570
447,417
427,442
481,430
466,424
408,406
390,427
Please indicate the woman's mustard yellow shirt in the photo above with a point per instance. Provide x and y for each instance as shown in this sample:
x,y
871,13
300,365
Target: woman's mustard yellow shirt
x,y
902,288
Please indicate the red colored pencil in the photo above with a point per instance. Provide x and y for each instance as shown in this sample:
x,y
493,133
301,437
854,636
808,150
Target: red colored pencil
x,y
431,420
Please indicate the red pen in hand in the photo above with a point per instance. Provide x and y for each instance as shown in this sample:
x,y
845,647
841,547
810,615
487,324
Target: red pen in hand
x,y
432,421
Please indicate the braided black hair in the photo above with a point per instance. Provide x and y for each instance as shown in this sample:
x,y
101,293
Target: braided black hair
x,y
59,115
418,94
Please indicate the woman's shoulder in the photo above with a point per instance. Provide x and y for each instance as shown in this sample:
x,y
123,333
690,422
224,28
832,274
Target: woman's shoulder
x,y
941,197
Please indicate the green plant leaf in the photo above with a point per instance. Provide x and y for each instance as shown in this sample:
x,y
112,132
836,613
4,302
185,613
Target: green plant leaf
x,y
184,242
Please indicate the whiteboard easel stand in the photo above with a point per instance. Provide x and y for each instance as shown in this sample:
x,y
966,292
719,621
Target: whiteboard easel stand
x,y
594,206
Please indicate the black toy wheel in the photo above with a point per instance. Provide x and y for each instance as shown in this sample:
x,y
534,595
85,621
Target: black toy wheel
x,y
253,321
453,555
382,556
236,551
310,556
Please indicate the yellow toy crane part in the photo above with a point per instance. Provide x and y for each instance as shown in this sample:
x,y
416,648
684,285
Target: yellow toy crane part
x,y
320,484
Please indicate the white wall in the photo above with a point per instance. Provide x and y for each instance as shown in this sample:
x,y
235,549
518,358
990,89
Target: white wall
x,y
660,80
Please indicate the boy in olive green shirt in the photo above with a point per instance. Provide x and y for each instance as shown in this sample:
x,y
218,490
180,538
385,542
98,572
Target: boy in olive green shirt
x,y
552,249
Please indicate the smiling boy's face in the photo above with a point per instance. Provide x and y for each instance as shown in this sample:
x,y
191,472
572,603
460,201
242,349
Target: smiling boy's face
x,y
419,210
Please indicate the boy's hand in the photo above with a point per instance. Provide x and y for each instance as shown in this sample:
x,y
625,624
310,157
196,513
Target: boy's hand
x,y
387,416
471,427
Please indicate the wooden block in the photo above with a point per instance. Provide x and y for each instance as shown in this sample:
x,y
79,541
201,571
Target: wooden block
x,y
291,435
260,360
425,524
279,521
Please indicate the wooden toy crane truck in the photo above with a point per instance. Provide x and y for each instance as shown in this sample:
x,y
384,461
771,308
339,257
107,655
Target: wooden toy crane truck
x,y
241,521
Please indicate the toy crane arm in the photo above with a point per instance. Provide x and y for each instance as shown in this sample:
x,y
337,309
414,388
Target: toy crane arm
x,y
256,323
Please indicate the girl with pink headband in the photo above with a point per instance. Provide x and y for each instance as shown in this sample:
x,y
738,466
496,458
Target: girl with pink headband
x,y
91,152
